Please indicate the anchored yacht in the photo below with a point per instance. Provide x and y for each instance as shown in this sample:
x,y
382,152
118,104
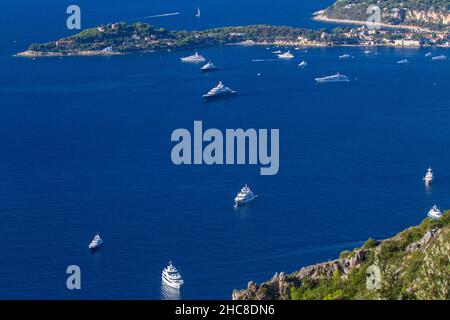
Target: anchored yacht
x,y
277,52
428,176
344,56
441,57
244,196
209,67
96,243
428,54
435,213
404,61
171,277
286,55
334,78
219,91
303,64
194,58
198,14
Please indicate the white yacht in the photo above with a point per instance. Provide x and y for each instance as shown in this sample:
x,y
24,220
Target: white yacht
x,y
277,52
219,91
209,67
198,14
428,54
404,61
194,58
96,243
303,64
367,52
244,196
344,56
171,277
441,57
334,78
286,55
428,176
435,213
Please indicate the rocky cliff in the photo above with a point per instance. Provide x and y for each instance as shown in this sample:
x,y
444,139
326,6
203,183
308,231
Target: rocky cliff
x,y
407,262
421,13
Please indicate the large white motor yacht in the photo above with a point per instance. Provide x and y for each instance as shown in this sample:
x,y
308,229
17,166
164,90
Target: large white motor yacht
x,y
96,243
194,58
441,57
218,91
428,176
244,196
171,276
334,78
435,213
286,55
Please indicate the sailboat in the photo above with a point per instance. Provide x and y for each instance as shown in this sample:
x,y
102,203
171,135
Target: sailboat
x,y
198,14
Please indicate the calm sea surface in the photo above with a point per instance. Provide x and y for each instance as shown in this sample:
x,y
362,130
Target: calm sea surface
x,y
85,148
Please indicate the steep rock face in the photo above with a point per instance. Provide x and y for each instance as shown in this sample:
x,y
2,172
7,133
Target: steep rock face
x,y
428,17
402,13
424,242
280,285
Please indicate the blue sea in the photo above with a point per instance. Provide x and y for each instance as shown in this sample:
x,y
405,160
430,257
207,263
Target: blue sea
x,y
85,148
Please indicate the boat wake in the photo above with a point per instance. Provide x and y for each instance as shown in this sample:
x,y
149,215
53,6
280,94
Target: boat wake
x,y
159,16
264,60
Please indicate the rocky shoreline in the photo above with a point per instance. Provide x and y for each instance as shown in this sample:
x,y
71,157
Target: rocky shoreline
x,y
406,251
35,54
319,16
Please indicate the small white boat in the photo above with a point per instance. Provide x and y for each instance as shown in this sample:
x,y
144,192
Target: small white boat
x,y
344,56
429,176
334,78
286,55
303,64
441,57
209,67
244,196
198,14
194,58
96,243
172,277
277,52
429,54
435,212
404,61
367,52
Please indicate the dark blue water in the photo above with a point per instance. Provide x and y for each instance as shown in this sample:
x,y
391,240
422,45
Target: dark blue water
x,y
85,147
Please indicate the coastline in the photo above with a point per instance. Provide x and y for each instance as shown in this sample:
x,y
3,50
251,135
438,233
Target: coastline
x,y
319,16
399,252
48,54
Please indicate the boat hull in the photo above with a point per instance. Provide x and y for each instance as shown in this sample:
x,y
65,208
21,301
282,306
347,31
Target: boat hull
x,y
171,284
330,81
209,70
244,201
218,96
95,248
433,216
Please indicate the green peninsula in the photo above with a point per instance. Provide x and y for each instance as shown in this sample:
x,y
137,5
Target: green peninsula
x,y
122,38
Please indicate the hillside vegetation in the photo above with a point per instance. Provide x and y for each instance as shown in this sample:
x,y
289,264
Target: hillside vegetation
x,y
414,264
433,14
